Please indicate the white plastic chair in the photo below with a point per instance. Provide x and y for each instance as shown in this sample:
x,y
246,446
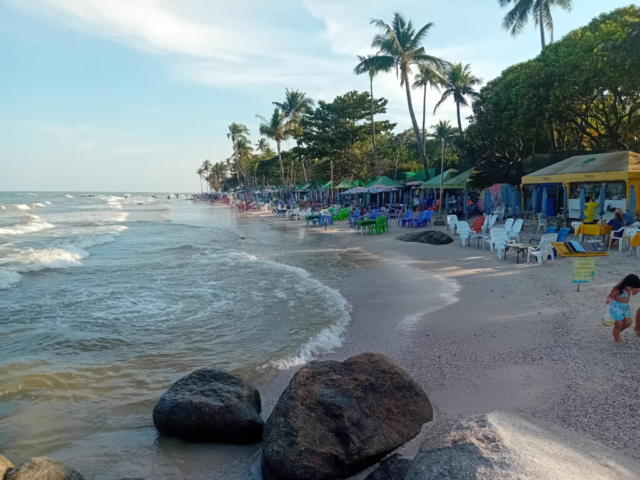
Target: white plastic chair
x,y
489,223
499,212
514,233
544,248
508,225
464,231
541,221
620,239
498,240
575,226
452,223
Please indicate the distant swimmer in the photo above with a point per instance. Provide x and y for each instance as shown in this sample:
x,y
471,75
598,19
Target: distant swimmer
x,y
168,197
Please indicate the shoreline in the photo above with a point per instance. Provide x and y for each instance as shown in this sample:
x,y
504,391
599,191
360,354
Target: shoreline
x,y
547,359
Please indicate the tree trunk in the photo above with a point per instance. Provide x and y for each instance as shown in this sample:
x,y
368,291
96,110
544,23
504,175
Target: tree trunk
x,y
373,126
304,170
541,21
281,165
416,130
201,191
424,117
459,121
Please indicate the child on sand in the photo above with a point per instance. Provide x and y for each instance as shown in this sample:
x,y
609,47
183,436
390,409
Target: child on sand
x,y
618,301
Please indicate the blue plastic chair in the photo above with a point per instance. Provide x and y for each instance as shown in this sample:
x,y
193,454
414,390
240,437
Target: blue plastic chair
x,y
374,214
551,230
563,234
406,219
416,222
427,218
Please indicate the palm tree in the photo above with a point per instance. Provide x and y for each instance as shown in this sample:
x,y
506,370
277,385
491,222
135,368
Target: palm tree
x,y
243,151
427,77
459,83
400,46
296,104
372,68
200,173
236,132
516,18
276,128
262,146
443,131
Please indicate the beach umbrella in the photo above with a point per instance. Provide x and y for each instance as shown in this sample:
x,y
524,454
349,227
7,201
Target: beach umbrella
x,y
565,203
487,202
632,204
543,208
602,200
534,201
582,207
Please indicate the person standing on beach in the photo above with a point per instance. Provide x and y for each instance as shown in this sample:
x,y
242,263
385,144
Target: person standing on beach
x,y
618,301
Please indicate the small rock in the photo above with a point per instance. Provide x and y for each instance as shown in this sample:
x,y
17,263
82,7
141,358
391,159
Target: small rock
x,y
43,468
211,405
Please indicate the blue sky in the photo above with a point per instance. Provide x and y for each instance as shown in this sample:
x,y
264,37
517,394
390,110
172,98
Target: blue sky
x,y
132,95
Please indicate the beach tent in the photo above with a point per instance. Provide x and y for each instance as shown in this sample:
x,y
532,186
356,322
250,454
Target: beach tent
x,y
594,168
384,181
458,182
435,181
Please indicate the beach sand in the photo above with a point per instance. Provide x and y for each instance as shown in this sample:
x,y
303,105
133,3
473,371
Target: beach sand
x,y
491,335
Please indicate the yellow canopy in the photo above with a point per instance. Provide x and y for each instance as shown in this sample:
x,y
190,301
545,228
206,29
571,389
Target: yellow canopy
x,y
600,167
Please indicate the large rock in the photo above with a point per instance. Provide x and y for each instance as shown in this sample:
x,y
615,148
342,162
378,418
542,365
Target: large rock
x,y
435,237
393,468
43,468
210,405
337,418
5,466
505,447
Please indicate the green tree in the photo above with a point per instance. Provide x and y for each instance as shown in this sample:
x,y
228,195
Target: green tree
x,y
295,105
237,131
276,128
540,10
459,83
401,47
427,76
372,68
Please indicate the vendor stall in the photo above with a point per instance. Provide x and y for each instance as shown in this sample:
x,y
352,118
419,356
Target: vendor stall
x,y
618,171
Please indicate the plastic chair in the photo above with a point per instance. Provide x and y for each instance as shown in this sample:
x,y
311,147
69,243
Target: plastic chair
x,y
452,222
514,233
541,221
631,232
406,219
544,248
476,226
488,224
575,226
563,234
498,238
499,213
417,222
508,225
621,238
427,218
464,231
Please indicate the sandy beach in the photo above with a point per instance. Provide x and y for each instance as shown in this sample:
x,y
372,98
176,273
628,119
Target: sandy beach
x,y
508,337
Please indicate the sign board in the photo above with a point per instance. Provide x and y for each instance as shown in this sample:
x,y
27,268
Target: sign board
x,y
583,269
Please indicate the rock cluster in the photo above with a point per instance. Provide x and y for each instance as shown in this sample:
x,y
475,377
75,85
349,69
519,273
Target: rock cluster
x,y
432,237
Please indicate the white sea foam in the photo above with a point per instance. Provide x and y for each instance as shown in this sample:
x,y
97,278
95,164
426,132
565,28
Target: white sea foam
x,y
47,202
23,207
2,207
39,204
444,290
69,196
328,339
8,278
33,224
32,260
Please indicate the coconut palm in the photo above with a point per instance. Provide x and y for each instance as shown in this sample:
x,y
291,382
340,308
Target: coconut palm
x,y
236,132
243,151
426,77
296,104
262,146
372,69
443,131
459,83
400,45
276,128
518,17
200,173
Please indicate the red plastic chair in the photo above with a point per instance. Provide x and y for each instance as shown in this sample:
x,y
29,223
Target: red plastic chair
x,y
477,224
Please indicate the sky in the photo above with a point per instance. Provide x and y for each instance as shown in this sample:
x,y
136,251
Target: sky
x,y
132,95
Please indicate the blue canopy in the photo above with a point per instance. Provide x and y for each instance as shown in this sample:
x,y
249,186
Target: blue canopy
x,y
582,206
543,208
632,203
534,201
602,200
565,204
487,201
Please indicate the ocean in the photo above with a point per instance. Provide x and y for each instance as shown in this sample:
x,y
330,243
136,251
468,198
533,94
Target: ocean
x,y
105,301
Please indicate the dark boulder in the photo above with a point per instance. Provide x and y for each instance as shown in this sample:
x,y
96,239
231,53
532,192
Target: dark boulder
x,y
43,468
211,405
338,418
393,468
435,237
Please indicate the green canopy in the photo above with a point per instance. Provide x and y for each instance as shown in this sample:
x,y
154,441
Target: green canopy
x,y
384,181
458,182
346,184
302,187
435,181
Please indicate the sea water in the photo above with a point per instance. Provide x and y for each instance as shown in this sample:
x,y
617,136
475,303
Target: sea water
x,y
105,300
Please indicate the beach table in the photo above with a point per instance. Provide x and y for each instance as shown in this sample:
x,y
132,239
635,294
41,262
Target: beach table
x,y
363,223
593,229
520,248
313,219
